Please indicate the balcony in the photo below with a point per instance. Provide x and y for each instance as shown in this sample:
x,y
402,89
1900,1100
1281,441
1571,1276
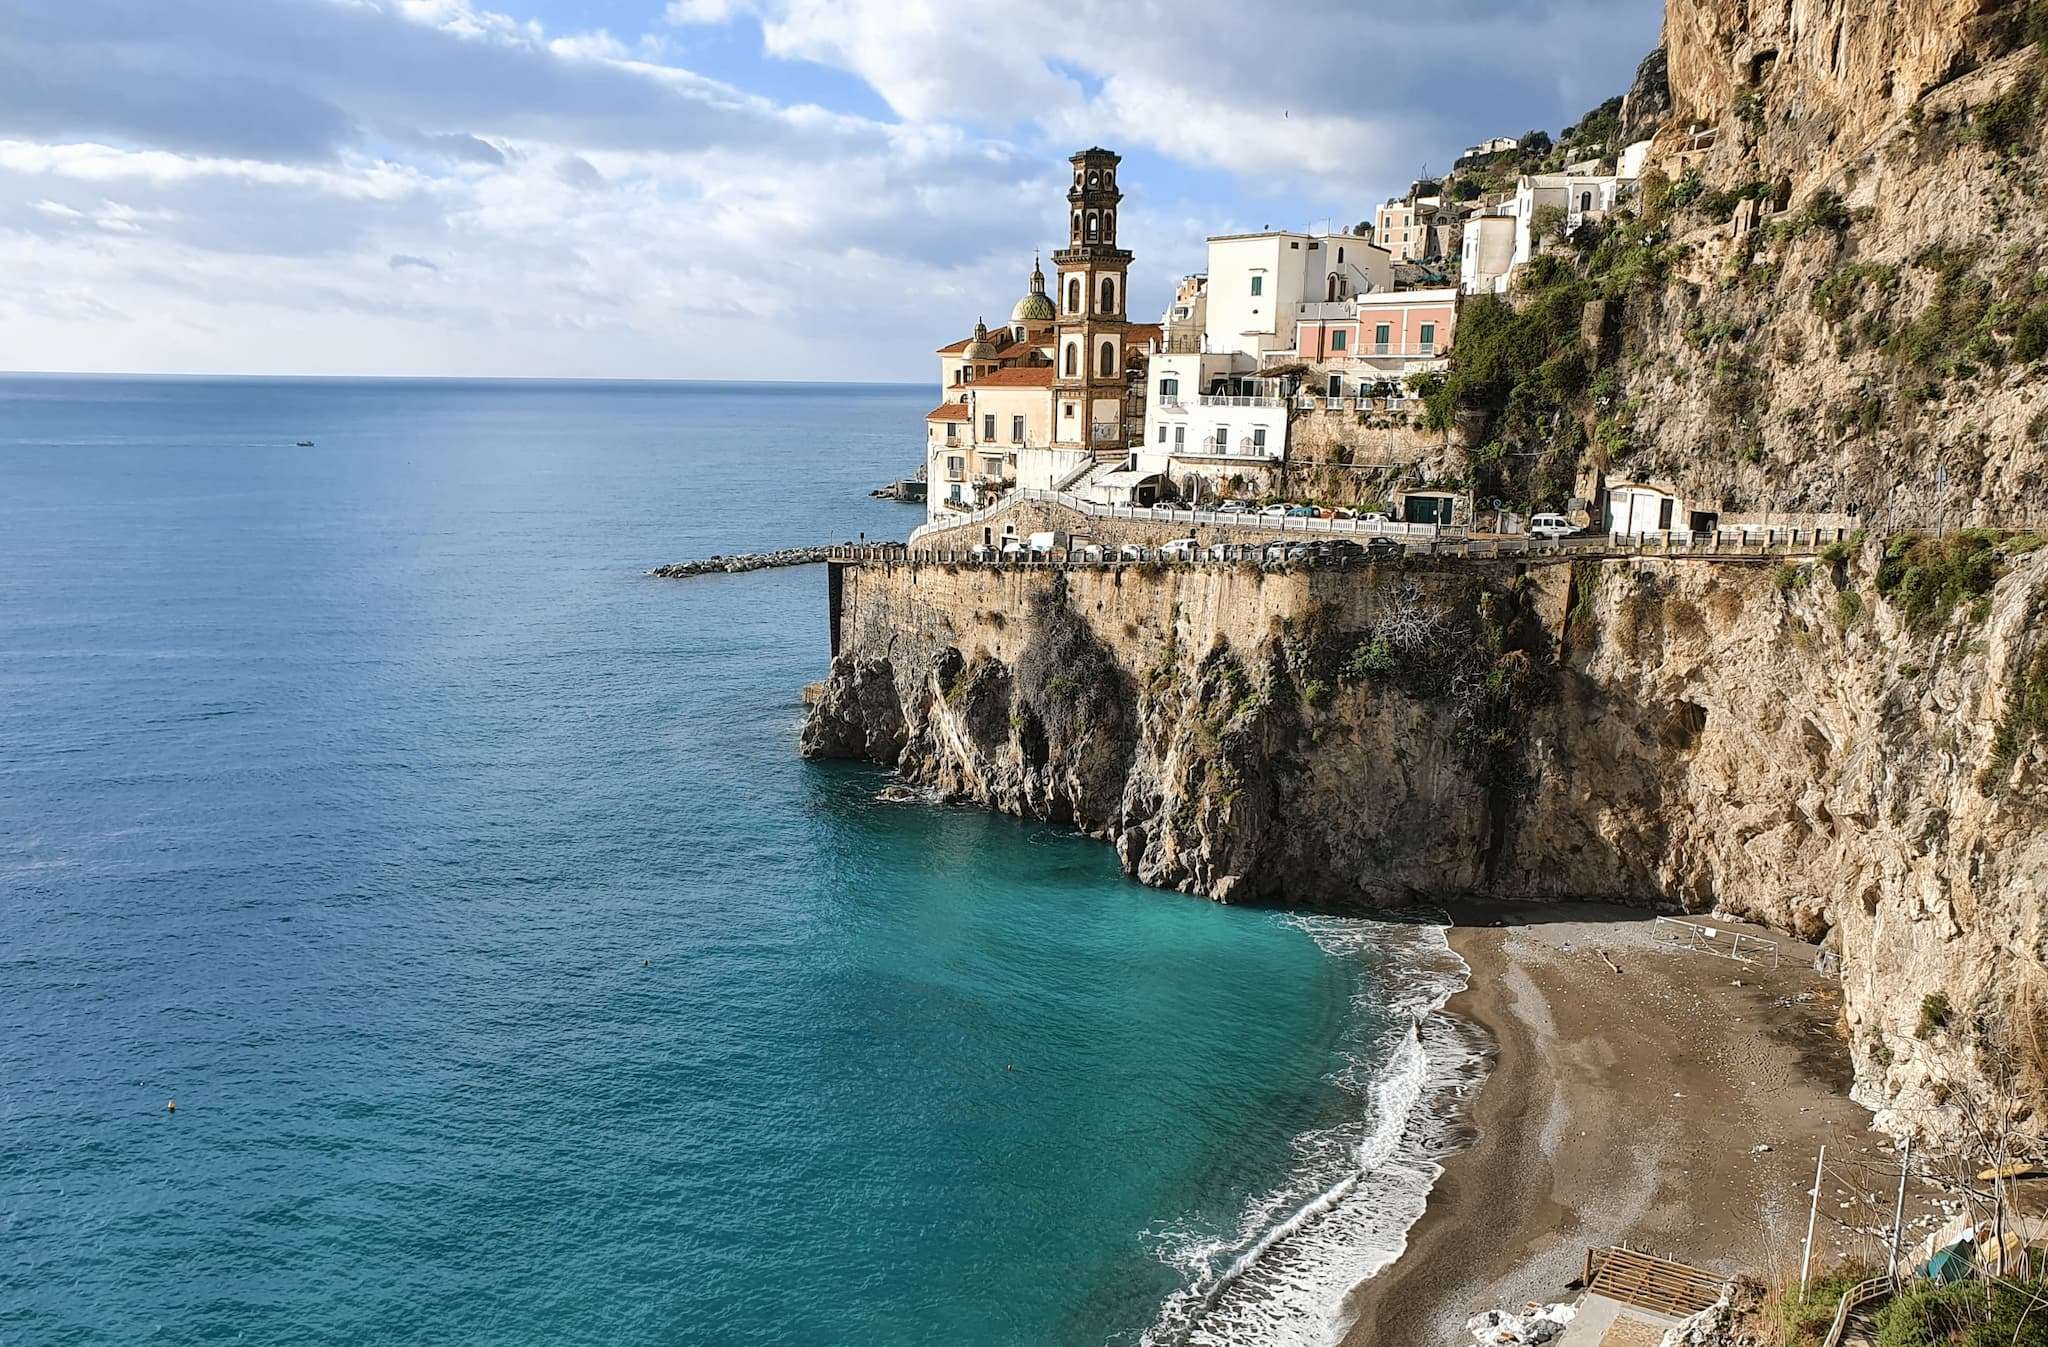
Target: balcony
x,y
1106,432
1234,400
1342,308
1172,405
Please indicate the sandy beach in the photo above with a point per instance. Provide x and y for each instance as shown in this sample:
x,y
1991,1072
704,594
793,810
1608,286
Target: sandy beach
x,y
1624,1107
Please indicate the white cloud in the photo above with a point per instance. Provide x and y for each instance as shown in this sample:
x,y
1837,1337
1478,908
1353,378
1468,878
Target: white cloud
x,y
431,186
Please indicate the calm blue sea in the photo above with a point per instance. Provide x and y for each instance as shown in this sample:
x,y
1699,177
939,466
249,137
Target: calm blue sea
x,y
517,983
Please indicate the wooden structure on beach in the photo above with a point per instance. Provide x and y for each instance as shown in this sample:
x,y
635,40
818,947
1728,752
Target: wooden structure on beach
x,y
1655,1284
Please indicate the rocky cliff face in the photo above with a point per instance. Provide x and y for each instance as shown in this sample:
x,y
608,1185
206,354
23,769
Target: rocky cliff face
x,y
1707,735
1855,311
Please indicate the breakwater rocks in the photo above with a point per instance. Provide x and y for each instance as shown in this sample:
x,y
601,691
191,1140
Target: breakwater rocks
x,y
741,561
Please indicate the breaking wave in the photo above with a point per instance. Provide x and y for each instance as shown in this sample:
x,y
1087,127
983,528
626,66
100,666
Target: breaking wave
x,y
1283,1276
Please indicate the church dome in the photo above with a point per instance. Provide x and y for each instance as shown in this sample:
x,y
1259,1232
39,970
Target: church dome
x,y
981,348
1034,309
1037,306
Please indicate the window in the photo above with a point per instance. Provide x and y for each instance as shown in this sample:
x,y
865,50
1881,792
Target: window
x,y
1162,434
1382,335
1074,295
1223,439
1296,245
1016,430
1094,226
1109,226
1336,385
956,467
1106,360
1169,387
1108,294
1068,409
1073,367
988,425
1585,201
1258,285
1180,437
1340,254
1259,439
1429,336
1338,339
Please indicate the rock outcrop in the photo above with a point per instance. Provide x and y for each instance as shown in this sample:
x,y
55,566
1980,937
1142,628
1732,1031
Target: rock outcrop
x,y
1706,735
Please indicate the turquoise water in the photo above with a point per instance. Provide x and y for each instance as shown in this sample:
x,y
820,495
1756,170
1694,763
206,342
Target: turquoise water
x,y
515,981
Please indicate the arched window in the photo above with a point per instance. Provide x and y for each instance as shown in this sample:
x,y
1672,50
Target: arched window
x,y
1077,226
1094,178
1109,226
1585,201
1094,226
1108,360
1073,359
1108,294
1074,295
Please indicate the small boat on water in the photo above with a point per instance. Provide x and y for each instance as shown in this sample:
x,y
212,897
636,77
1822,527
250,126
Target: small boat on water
x,y
305,444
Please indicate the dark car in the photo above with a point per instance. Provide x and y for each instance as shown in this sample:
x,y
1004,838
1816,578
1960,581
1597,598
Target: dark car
x,y
1339,550
1385,549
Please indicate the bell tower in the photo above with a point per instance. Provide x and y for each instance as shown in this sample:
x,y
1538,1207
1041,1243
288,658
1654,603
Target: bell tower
x,y
1089,375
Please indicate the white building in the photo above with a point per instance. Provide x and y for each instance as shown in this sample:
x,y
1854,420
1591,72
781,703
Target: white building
x,y
1487,256
1205,406
1258,283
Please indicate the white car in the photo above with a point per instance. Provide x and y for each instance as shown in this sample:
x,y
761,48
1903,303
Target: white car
x,y
1233,507
1180,549
1274,554
1087,552
982,552
1275,512
1375,519
1550,526
1014,549
1130,552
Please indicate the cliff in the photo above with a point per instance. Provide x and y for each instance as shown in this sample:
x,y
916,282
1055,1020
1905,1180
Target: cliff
x,y
1700,734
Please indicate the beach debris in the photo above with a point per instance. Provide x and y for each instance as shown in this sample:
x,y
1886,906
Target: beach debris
x,y
1538,1324
171,1107
1609,962
1759,1150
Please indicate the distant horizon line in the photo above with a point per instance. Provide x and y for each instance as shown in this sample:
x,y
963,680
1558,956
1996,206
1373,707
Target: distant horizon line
x,y
458,378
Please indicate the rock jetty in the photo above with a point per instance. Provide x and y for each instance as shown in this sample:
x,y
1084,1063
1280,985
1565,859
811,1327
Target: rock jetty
x,y
740,561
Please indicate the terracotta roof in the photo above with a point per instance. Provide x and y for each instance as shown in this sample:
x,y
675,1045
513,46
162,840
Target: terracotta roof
x,y
999,337
1017,376
955,348
1137,334
948,411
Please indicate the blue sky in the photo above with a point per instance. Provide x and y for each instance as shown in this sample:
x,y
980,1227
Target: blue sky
x,y
692,188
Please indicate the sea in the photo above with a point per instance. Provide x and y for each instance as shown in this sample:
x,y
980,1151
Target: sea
x,y
514,980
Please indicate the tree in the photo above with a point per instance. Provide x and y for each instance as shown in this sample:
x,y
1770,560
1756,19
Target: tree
x,y
1546,224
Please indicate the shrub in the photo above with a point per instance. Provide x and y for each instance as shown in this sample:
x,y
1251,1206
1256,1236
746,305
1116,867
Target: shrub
x,y
1926,578
1371,659
2030,334
1934,1014
1825,211
1804,1316
1835,553
1788,578
1965,1314
1848,607
2025,722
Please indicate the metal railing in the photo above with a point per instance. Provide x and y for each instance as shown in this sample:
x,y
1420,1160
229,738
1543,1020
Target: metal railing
x,y
1239,400
1722,544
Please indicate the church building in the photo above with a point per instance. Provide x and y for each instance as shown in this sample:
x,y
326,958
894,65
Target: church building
x,y
1042,401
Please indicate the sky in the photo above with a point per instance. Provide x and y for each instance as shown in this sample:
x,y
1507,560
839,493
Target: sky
x,y
770,189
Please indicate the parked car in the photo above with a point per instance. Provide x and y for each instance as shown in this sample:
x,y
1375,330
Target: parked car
x,y
1220,551
1273,553
1130,552
1275,511
1374,518
1233,507
1550,526
1341,513
1300,552
1087,552
981,552
1301,512
1385,549
1180,549
1339,549
1014,549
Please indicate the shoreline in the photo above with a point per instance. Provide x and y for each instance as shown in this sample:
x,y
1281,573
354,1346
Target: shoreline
x,y
1616,1107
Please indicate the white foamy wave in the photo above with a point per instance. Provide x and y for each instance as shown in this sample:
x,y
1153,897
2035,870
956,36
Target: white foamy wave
x,y
1344,1214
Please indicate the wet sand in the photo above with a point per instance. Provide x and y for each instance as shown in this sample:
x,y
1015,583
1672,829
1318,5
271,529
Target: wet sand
x,y
1623,1107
